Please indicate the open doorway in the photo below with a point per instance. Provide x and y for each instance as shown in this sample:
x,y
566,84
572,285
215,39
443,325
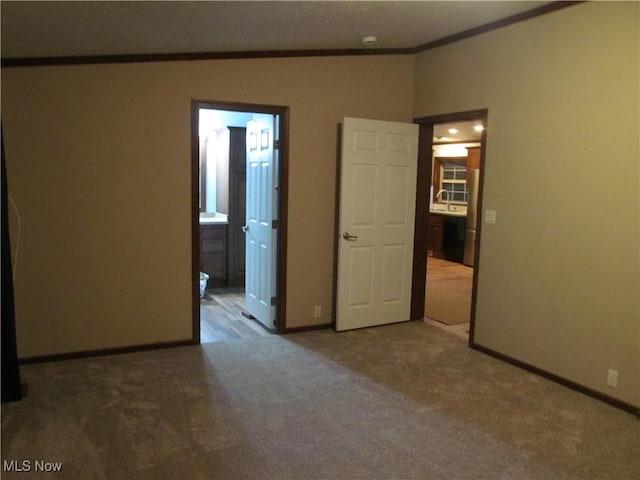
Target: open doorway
x,y
239,199
451,164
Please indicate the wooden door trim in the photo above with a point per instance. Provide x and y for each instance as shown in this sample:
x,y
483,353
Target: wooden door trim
x,y
419,275
282,214
425,161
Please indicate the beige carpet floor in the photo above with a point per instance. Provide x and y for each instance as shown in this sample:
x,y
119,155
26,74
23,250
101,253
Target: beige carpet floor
x,y
405,401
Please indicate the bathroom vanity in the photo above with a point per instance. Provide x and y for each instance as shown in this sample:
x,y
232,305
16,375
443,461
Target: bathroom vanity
x,y
213,252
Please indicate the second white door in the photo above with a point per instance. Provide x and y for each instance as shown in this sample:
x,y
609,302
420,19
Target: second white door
x,y
260,228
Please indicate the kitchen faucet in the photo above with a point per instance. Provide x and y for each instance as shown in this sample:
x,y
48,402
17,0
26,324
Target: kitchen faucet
x,y
448,195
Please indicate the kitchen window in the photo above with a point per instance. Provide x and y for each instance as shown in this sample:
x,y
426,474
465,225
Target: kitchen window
x,y
450,175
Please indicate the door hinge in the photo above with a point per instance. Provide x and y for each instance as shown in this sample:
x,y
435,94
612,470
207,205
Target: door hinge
x,y
276,144
274,223
274,301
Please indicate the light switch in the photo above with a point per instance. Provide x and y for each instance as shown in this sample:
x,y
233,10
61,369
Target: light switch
x,y
490,216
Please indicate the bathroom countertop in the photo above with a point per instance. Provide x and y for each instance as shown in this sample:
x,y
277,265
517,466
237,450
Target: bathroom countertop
x,y
213,220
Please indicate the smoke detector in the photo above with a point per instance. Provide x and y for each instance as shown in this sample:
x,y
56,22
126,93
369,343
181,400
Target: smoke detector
x,y
369,40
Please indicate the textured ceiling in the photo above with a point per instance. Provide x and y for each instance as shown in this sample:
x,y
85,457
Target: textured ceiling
x,y
79,28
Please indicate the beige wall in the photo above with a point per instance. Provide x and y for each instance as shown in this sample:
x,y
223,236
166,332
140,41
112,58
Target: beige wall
x,y
98,161
559,271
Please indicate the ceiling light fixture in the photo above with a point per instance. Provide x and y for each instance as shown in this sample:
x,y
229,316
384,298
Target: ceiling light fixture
x,y
369,40
478,128
453,131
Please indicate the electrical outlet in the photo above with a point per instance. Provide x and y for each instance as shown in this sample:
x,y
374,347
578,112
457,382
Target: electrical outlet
x,y
490,216
612,378
317,311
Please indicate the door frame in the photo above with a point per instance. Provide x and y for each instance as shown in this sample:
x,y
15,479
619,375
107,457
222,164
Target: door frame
x,y
425,163
282,182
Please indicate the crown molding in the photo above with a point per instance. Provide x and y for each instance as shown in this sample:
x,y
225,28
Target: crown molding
x,y
232,55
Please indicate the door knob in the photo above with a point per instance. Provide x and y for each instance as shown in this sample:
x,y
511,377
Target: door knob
x,y
348,237
245,228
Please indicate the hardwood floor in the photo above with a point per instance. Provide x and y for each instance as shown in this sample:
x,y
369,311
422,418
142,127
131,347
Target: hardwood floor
x,y
221,317
455,276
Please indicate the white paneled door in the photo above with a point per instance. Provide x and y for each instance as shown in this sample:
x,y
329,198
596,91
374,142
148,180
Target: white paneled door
x,y
376,222
260,228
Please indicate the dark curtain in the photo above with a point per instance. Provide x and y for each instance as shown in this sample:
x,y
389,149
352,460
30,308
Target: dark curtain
x,y
11,387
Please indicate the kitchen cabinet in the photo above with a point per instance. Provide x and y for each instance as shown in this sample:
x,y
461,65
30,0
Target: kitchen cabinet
x,y
213,253
473,158
434,236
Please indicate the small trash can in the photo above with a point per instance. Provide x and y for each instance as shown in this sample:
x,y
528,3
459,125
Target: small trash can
x,y
203,283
